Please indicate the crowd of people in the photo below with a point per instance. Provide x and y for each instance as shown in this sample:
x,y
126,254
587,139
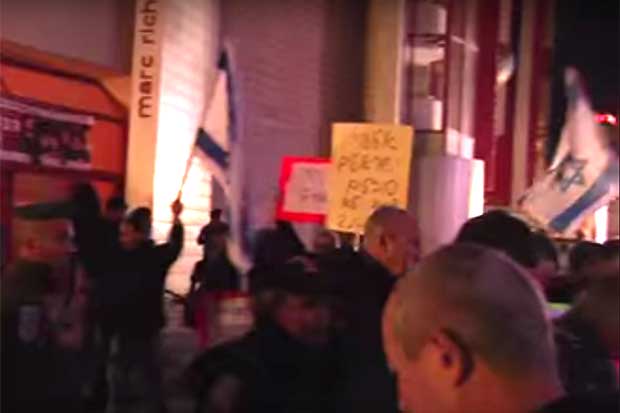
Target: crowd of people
x,y
374,328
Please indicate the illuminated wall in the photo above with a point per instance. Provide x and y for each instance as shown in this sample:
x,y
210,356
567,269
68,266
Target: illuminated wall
x,y
299,66
183,72
98,32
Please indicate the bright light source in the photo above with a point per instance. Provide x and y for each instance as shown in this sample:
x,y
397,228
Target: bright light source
x,y
607,118
601,224
476,189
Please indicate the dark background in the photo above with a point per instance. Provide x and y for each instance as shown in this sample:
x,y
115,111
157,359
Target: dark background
x,y
587,37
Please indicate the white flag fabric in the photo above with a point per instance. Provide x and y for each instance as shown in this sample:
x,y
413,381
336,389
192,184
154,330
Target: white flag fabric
x,y
218,146
584,173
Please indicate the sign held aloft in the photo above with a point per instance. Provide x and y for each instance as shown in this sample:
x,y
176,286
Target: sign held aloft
x,y
303,188
370,168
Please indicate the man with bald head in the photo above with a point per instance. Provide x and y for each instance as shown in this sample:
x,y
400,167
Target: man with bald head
x,y
366,278
391,238
467,332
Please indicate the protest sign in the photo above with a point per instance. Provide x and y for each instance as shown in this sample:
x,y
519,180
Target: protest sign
x,y
303,189
370,168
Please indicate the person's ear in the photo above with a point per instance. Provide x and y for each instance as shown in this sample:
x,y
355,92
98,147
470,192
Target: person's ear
x,y
454,358
385,242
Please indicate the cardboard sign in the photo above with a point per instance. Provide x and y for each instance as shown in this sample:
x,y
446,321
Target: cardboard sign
x,y
303,185
370,168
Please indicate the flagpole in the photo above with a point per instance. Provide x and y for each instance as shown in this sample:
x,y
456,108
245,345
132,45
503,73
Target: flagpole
x,y
188,163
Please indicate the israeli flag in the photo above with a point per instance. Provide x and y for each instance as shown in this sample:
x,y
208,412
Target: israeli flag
x,y
584,173
218,146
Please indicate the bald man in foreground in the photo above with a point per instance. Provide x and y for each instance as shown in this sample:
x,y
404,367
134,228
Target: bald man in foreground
x,y
466,332
390,248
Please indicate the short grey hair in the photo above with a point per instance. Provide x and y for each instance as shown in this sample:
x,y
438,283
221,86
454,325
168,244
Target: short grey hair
x,y
384,217
485,298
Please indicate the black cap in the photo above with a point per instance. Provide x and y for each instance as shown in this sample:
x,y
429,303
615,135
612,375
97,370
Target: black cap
x,y
297,276
45,211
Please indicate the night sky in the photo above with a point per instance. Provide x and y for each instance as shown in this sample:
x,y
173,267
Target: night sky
x,y
586,36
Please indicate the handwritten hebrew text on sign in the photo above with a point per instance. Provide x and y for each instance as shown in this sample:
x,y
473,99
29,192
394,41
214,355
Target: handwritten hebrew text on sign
x,y
370,168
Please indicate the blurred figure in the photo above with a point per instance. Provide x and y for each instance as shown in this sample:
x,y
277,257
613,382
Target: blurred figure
x,y
499,230
286,364
584,254
272,248
347,242
90,230
215,272
32,290
324,242
559,290
212,236
582,258
132,309
115,209
546,257
466,332
588,336
114,213
613,246
363,282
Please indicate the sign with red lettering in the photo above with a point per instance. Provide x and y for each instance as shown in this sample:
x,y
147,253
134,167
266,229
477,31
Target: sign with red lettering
x,y
370,168
31,133
303,189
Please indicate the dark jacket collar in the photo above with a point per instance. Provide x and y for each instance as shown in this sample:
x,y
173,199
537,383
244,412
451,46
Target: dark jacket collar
x,y
577,328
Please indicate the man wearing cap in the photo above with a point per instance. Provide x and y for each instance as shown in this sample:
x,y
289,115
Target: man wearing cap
x,y
30,289
286,364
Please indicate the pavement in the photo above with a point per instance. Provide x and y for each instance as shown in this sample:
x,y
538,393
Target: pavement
x,y
179,347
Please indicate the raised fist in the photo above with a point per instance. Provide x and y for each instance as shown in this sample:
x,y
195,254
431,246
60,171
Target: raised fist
x,y
177,208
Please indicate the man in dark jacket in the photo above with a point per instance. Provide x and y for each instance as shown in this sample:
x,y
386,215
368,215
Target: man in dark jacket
x,y
588,336
364,282
133,307
215,272
286,364
33,290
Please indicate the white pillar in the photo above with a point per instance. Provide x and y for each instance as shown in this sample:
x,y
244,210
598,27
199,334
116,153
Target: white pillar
x,y
383,61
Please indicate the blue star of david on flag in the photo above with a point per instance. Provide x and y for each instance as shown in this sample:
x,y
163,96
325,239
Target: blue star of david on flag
x,y
570,172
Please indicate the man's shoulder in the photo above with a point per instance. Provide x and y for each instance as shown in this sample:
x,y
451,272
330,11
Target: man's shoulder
x,y
27,277
599,403
238,358
215,227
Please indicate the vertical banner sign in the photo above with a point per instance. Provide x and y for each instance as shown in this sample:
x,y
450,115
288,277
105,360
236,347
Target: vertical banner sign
x,y
303,189
144,101
370,168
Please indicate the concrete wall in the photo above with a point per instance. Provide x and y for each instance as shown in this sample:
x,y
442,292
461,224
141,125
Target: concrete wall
x,y
98,32
299,67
